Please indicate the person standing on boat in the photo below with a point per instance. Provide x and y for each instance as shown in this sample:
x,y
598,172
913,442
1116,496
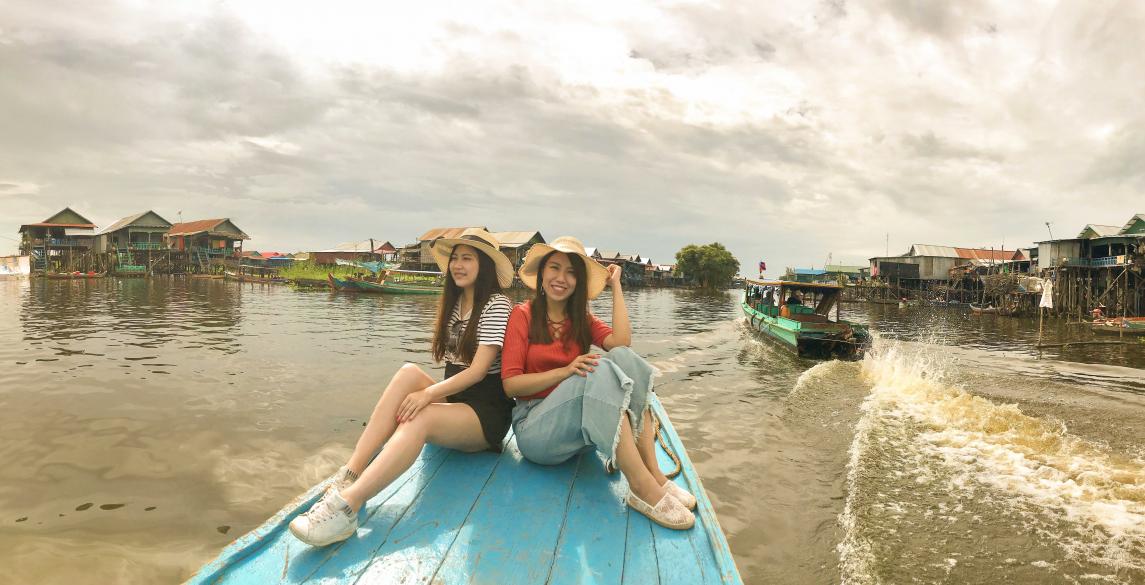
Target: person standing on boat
x,y
467,411
570,400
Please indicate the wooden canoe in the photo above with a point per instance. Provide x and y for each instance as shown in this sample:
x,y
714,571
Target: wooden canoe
x,y
489,518
1119,326
397,288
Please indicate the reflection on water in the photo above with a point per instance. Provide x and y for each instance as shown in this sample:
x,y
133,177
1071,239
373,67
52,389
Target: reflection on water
x,y
145,423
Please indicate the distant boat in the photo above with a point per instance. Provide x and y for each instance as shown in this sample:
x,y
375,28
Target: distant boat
x,y
807,331
979,310
73,275
1120,326
494,518
394,282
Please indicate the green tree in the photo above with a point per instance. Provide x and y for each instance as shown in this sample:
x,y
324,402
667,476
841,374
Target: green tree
x,y
711,266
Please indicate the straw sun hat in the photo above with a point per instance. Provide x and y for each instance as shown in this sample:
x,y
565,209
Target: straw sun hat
x,y
481,240
597,274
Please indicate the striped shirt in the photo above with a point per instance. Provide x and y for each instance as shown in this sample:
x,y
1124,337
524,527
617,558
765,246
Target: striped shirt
x,y
490,329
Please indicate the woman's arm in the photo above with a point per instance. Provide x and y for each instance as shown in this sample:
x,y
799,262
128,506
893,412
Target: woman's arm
x,y
526,384
621,330
477,370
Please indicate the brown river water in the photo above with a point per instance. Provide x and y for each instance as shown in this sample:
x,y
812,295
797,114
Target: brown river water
x,y
144,424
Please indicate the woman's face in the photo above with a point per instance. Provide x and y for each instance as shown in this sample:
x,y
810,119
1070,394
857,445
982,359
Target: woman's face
x,y
464,265
558,279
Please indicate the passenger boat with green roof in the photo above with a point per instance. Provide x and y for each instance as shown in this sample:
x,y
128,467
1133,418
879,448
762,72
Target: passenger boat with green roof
x,y
798,316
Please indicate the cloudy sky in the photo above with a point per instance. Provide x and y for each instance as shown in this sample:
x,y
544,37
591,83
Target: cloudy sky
x,y
785,130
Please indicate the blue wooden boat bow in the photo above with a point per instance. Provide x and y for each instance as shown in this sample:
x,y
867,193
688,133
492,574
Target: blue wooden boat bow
x,y
490,518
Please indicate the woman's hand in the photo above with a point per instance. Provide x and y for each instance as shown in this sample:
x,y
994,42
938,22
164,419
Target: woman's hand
x,y
413,403
583,364
614,274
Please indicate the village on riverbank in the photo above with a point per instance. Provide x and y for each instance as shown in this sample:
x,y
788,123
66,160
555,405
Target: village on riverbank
x,y
69,245
1102,267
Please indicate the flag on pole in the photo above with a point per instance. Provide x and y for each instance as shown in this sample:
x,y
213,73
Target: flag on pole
x,y
762,266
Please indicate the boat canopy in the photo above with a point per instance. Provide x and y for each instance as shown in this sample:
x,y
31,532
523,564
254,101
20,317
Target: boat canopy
x,y
792,285
828,293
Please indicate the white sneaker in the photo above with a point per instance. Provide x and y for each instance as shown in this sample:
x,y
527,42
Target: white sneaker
x,y
328,521
681,494
343,478
668,512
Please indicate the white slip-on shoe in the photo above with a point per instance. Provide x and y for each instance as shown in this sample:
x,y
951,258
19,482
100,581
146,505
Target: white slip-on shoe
x,y
343,478
681,494
328,521
668,512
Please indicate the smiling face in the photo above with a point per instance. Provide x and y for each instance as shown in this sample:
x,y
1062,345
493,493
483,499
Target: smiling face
x,y
558,277
464,265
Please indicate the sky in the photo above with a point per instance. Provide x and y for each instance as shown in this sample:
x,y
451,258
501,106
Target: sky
x,y
787,131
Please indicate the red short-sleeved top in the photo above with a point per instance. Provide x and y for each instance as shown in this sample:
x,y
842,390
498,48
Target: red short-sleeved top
x,y
519,356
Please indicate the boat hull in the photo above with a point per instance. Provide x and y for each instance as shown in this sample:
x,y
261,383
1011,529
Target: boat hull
x,y
390,288
1128,326
494,518
811,340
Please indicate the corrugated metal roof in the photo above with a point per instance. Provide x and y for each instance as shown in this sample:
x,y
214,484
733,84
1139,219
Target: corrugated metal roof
x,y
362,247
1100,230
986,255
590,252
191,228
608,254
63,225
515,239
932,250
843,268
1129,224
964,253
132,219
810,271
194,227
450,232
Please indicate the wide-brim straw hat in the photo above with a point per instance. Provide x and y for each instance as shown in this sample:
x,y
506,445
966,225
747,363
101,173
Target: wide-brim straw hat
x,y
597,274
481,240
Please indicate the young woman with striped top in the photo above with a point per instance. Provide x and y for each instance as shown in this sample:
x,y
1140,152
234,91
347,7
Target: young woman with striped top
x,y
467,411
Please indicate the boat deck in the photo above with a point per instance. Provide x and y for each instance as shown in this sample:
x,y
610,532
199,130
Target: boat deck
x,y
497,519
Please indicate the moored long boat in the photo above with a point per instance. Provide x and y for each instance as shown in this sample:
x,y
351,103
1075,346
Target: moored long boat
x,y
494,518
73,275
395,282
1120,326
807,331
397,288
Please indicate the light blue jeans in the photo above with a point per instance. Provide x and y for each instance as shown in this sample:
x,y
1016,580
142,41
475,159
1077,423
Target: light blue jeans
x,y
583,413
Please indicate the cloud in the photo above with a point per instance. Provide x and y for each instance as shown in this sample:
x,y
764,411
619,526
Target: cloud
x,y
784,131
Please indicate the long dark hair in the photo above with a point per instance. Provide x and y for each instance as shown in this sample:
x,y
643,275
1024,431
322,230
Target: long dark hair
x,y
576,309
486,286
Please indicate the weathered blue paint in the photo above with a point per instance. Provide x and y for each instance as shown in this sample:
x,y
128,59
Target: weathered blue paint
x,y
489,518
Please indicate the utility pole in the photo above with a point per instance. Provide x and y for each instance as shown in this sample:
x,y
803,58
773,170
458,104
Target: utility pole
x,y
1050,230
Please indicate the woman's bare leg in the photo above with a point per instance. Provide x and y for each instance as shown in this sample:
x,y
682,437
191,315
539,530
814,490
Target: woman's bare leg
x,y
409,378
646,444
640,481
449,425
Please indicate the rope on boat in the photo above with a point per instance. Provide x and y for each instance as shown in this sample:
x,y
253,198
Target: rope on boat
x,y
664,445
659,430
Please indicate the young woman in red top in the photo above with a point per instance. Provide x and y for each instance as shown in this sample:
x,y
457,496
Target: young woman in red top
x,y
467,411
570,400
